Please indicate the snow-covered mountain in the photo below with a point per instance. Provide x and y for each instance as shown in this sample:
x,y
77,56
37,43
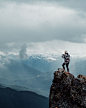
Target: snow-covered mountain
x,y
43,64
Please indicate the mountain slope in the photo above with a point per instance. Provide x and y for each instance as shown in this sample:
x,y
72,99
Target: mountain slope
x,y
20,67
10,98
19,74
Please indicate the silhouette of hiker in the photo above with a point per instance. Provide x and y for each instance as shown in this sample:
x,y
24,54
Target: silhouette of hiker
x,y
66,58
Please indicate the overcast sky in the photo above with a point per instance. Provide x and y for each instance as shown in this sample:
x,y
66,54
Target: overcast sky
x,y
43,26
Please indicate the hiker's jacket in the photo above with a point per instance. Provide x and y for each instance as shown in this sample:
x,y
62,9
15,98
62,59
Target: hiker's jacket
x,y
66,58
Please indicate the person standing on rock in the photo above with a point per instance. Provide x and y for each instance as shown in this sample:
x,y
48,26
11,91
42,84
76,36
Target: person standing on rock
x,y
66,58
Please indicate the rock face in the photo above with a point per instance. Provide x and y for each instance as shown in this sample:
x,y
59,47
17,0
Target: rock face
x,y
67,91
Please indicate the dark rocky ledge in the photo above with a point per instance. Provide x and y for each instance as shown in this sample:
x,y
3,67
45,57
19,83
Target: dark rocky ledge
x,y
67,91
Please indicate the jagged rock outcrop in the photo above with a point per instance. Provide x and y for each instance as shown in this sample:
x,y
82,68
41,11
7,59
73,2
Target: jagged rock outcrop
x,y
67,91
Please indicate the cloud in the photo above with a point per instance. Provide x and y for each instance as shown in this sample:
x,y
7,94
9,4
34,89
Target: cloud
x,y
39,22
79,5
54,49
22,52
74,4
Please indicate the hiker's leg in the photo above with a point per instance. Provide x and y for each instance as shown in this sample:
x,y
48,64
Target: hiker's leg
x,y
63,66
67,67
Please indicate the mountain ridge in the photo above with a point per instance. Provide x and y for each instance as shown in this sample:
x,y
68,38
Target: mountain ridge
x,y
10,98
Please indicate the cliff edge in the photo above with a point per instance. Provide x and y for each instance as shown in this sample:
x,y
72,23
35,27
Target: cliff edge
x,y
67,91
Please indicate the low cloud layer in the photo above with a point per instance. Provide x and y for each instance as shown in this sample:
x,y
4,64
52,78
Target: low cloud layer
x,y
55,48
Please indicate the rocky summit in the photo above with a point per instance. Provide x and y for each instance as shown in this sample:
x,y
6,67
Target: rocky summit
x,y
67,91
